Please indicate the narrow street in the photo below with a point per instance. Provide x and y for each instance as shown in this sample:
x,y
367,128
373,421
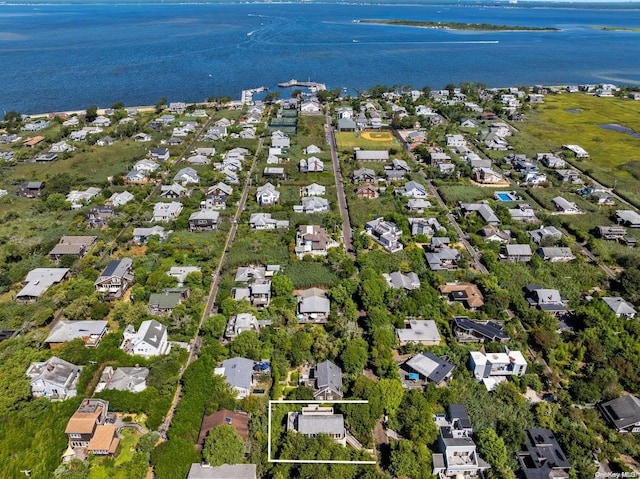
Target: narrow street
x,y
213,291
347,233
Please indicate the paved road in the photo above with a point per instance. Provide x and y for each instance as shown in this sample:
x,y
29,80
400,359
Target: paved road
x,y
475,256
347,233
213,291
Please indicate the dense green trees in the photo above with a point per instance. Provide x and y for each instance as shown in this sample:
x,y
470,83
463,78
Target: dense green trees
x,y
223,446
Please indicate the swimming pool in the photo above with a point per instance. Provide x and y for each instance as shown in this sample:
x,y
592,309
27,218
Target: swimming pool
x,y
505,196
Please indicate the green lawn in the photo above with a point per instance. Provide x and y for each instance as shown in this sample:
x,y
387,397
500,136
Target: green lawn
x,y
576,119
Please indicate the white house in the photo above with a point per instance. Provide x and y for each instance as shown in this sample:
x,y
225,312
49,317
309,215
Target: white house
x,y
150,340
165,212
54,378
267,195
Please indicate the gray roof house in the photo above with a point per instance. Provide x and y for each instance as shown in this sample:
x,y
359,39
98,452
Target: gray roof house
x,y
399,280
115,279
54,378
264,221
545,233
142,235
38,281
239,374
91,332
314,420
364,174
328,382
206,220
471,331
548,300
413,189
542,456
628,218
443,259
313,306
240,323
312,204
423,332
71,246
620,306
165,212
372,155
556,254
181,272
483,209
566,207
123,379
622,413
425,226
267,195
226,471
516,253
150,340
385,233
524,213
428,367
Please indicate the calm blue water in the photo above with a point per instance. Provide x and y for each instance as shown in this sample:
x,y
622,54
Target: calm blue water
x,y
58,57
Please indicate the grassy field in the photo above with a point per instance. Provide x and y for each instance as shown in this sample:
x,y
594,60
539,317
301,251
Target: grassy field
x,y
576,119
349,141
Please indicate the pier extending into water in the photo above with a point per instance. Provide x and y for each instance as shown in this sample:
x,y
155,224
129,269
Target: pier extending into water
x,y
307,84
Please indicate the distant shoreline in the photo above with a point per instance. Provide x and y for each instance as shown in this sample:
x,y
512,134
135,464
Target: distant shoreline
x,y
485,27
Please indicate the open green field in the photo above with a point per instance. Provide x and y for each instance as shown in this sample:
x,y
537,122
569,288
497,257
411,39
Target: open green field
x,y
576,119
349,140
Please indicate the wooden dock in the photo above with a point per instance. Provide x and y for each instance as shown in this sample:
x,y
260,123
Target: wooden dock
x,y
306,84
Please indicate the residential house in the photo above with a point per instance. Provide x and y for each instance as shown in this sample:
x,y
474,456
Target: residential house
x,y
54,379
493,368
327,382
238,373
577,150
542,457
620,307
314,189
385,233
568,176
36,125
455,141
424,368
238,420
347,124
120,199
101,121
628,218
133,379
413,189
487,176
87,428
181,273
142,137
165,212
556,254
364,175
622,413
79,198
150,340
115,279
99,217
90,332
137,177
61,147
264,221
471,331
425,226
565,207
312,204
30,189
458,456
423,332
468,123
146,165
272,172
200,160
314,420
483,209
267,195
174,190
257,293
613,232
159,154
280,140
313,306
493,234
312,150
548,300
516,253
205,220
205,151
187,176
177,107
76,246
367,191
105,141
475,161
38,281
239,324
371,155
313,240
216,197
398,166
466,293
524,213
399,280
551,160
545,234
226,471
163,304
311,165
142,235
442,257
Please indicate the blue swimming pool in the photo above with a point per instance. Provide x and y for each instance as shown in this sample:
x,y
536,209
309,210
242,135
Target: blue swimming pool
x,y
504,196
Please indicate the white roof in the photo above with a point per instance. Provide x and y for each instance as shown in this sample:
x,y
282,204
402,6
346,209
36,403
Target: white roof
x,y
425,330
41,279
